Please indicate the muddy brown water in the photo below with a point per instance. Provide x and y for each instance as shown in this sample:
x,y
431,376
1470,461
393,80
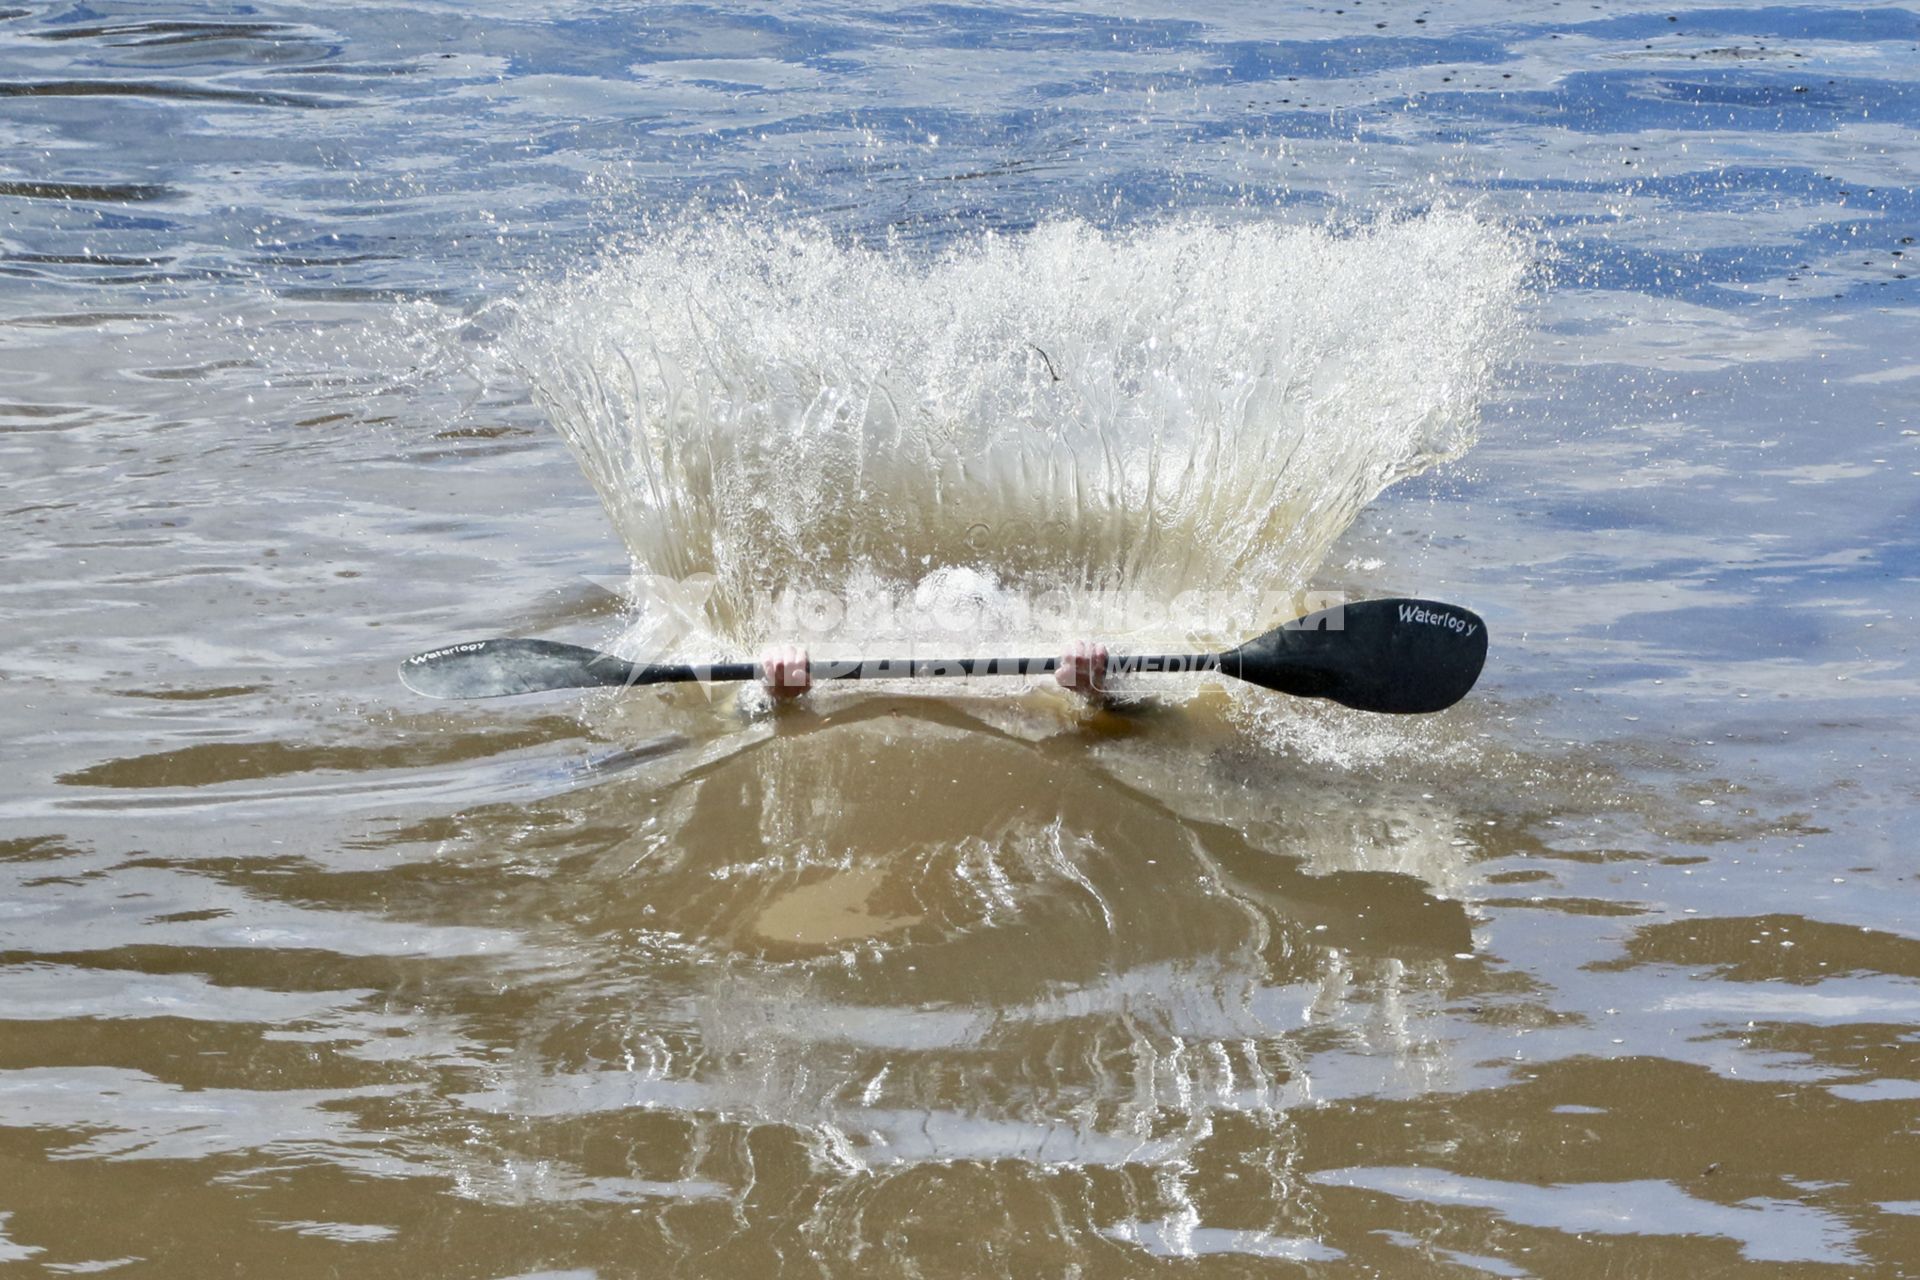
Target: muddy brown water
x,y
301,973
1611,970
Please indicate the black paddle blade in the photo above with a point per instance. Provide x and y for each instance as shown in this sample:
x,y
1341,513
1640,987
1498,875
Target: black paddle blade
x,y
497,668
1399,656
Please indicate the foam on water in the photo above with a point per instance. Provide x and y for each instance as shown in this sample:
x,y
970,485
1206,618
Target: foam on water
x,y
1018,436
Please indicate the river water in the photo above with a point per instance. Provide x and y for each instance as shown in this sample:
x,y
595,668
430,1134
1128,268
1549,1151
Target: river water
x,y
330,335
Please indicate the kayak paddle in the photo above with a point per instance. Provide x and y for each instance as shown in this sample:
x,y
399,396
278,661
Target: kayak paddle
x,y
1400,656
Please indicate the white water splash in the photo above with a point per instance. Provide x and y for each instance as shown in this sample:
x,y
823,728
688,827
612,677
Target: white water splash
x,y
1064,419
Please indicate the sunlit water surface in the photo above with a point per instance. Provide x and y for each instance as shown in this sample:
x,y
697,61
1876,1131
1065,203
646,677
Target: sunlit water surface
x,y
329,335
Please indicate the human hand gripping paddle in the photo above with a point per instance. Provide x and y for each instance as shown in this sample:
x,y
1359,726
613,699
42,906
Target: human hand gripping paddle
x,y
1399,656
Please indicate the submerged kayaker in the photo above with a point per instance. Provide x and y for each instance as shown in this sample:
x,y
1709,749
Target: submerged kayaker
x,y
785,674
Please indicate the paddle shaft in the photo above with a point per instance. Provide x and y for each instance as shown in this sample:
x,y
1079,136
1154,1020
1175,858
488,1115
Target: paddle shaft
x,y
920,668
